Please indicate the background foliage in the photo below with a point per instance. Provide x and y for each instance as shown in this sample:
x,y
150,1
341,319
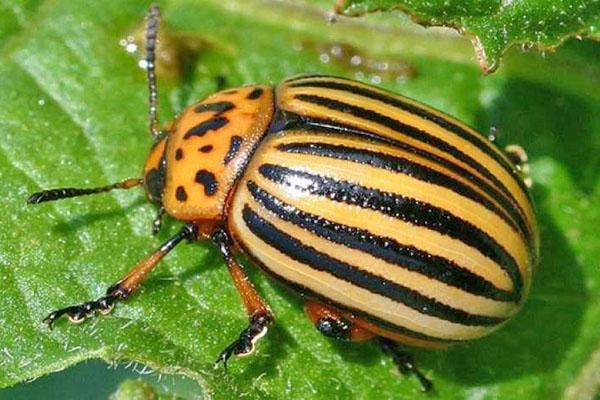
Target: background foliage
x,y
495,25
73,113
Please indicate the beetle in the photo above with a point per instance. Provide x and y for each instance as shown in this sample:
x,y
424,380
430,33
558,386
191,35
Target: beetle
x,y
395,221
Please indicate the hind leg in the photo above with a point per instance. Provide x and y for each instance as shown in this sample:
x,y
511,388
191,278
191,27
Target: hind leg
x,y
259,313
519,158
339,325
334,324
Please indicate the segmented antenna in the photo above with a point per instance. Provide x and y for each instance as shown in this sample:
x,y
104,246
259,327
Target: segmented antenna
x,y
153,22
65,193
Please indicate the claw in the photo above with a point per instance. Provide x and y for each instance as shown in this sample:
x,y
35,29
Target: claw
x,y
49,320
244,345
241,347
76,319
224,357
405,363
73,313
79,313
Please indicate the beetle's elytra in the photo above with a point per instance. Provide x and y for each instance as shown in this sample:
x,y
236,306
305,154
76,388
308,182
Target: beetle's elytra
x,y
395,221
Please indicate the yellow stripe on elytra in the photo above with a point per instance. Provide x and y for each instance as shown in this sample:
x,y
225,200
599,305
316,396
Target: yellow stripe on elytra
x,y
405,233
287,101
429,110
452,296
345,293
309,137
404,185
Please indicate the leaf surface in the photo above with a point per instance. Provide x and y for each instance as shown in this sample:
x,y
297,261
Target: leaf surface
x,y
496,25
73,113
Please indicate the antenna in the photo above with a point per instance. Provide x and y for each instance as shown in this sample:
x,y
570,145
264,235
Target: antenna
x,y
65,193
153,22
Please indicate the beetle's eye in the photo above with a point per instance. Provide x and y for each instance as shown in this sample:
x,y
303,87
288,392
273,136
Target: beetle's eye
x,y
155,182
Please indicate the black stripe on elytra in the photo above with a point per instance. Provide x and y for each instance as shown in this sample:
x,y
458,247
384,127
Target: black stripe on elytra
x,y
305,76
255,94
234,147
181,194
385,248
314,259
390,99
309,293
320,126
219,107
203,127
208,180
396,164
408,130
404,208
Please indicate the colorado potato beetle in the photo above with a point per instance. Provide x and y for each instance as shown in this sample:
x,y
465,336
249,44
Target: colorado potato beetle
x,y
395,221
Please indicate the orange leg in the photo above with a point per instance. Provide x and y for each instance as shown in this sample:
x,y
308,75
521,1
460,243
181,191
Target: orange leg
x,y
339,325
335,324
125,287
259,313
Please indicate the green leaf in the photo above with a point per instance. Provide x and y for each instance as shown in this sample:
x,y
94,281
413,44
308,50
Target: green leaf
x,y
137,389
496,25
73,113
134,390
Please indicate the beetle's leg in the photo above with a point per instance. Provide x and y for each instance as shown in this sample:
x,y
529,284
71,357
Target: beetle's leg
x,y
519,157
157,223
125,287
340,325
404,361
259,314
332,323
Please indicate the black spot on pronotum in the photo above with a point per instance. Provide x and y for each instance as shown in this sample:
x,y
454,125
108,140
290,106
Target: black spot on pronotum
x,y
234,147
203,127
178,154
218,107
206,149
208,180
180,194
255,94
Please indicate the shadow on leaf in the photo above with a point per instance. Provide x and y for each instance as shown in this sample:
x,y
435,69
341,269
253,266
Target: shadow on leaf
x,y
539,337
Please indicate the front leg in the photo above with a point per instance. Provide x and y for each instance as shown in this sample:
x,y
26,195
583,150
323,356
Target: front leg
x,y
125,287
259,314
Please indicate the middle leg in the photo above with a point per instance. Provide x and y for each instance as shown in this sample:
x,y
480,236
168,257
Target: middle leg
x,y
259,313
